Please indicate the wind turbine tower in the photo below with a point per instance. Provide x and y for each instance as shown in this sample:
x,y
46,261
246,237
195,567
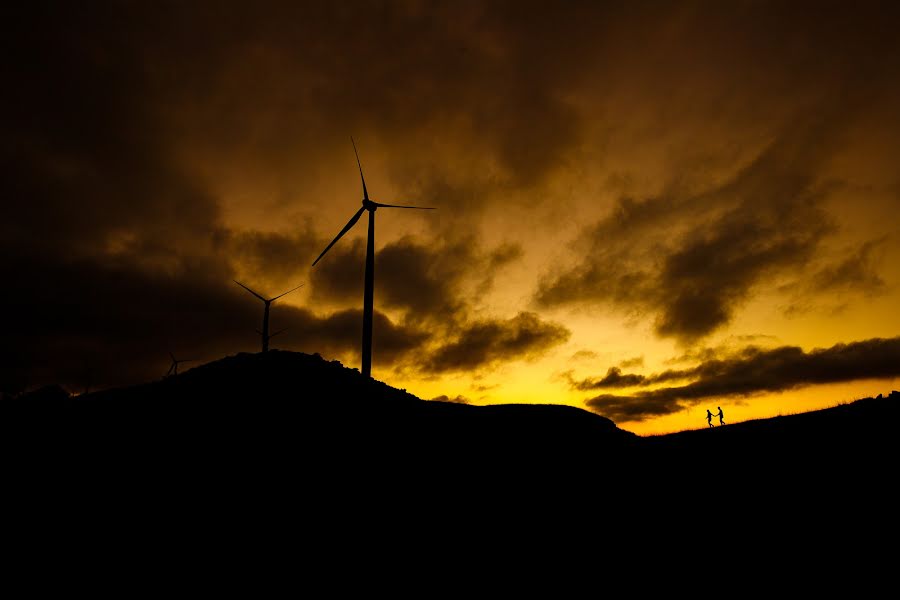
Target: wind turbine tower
x,y
369,293
265,324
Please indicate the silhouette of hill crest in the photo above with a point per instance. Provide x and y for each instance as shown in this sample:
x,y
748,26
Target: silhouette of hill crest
x,y
262,416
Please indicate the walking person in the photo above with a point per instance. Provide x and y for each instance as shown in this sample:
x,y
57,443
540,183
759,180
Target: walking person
x,y
709,417
721,416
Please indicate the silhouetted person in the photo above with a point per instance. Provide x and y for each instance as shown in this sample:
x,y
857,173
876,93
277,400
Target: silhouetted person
x,y
709,417
721,416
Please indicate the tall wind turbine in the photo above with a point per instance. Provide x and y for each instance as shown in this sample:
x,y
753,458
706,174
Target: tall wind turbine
x,y
265,324
368,296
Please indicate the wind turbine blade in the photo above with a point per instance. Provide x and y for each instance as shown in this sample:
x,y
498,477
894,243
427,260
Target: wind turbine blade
x,y
346,228
287,292
248,289
365,192
277,332
172,356
379,205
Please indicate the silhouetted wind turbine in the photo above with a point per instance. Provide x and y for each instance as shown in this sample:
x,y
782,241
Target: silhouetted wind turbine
x,y
368,296
265,324
173,370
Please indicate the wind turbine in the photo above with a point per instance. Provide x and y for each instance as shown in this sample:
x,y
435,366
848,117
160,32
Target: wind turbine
x,y
368,296
265,324
173,370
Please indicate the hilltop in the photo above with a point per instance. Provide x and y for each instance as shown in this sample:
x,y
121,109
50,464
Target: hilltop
x,y
275,420
289,397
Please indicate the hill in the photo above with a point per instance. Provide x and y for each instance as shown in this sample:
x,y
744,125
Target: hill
x,y
286,398
287,423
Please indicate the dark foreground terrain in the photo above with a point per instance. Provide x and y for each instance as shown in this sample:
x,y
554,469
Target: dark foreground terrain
x,y
285,440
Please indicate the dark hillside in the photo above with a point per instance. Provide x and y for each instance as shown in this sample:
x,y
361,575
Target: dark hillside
x,y
260,416
287,428
863,429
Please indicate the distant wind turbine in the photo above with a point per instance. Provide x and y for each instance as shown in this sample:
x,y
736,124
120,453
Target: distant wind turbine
x,y
173,370
265,324
367,205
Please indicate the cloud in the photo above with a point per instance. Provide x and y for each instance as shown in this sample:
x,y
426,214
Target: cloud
x,y
831,286
426,282
339,276
501,256
128,126
584,355
482,344
614,378
270,257
485,387
118,322
731,345
764,222
504,254
637,361
857,272
459,399
752,371
341,331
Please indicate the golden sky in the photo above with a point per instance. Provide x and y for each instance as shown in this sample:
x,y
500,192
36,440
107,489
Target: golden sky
x,y
644,209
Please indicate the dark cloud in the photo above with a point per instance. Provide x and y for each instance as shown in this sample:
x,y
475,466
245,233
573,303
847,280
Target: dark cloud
x,y
483,343
832,285
341,332
340,275
484,387
614,378
459,399
426,282
113,104
87,160
504,254
693,253
731,345
119,323
251,85
637,361
755,370
765,221
271,257
584,355
501,256
856,272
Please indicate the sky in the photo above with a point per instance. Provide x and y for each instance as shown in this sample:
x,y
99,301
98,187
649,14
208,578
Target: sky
x,y
643,209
